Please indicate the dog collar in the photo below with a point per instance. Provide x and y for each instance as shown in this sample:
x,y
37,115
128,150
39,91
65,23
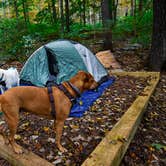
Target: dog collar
x,y
75,89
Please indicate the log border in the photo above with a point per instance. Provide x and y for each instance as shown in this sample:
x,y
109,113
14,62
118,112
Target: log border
x,y
112,148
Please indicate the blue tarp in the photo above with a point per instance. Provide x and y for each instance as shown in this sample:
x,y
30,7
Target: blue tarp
x,y
88,98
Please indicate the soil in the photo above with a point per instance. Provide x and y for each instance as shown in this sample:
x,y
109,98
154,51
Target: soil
x,y
81,135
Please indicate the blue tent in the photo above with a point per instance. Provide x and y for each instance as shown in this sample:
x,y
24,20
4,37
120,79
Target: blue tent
x,y
60,60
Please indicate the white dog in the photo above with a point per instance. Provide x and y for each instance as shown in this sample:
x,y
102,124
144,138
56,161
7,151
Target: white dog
x,y
8,78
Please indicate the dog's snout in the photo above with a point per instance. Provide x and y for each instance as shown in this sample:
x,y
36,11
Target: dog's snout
x,y
94,85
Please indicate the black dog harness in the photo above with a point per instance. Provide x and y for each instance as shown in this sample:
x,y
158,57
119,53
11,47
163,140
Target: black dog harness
x,y
66,92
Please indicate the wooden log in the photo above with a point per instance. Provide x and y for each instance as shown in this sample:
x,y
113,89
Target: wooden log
x,y
25,159
136,74
112,148
107,59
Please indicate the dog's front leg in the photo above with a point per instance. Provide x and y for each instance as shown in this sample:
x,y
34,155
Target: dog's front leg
x,y
12,120
58,124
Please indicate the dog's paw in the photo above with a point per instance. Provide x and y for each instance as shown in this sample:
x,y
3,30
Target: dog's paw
x,y
17,149
62,149
6,140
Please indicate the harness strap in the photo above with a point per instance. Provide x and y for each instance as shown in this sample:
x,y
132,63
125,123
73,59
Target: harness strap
x,y
51,97
75,89
66,92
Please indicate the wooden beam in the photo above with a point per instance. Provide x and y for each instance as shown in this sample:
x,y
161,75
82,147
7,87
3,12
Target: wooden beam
x,y
112,148
25,159
136,74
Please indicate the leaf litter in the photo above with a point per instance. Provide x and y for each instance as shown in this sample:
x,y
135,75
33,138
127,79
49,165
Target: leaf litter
x,y
80,135
144,149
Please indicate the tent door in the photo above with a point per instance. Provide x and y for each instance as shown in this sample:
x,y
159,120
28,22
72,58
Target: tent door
x,y
52,62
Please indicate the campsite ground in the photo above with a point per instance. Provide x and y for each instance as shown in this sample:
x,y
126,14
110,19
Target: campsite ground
x,y
149,144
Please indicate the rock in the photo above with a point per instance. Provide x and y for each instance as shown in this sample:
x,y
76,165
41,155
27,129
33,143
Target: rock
x,y
50,156
33,137
42,150
51,140
58,161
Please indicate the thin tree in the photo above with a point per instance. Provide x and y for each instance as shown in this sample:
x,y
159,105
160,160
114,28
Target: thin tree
x,y
140,7
67,15
132,8
25,11
114,10
3,4
106,19
62,15
158,48
54,15
84,11
15,8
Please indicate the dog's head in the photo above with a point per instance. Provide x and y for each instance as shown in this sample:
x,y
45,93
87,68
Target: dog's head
x,y
84,81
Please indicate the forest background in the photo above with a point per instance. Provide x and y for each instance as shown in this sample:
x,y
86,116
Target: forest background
x,y
27,24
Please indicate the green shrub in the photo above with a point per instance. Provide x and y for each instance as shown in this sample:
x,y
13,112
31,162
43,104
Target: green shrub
x,y
138,28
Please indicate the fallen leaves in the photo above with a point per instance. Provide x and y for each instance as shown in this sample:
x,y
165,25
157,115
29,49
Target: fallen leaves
x,y
46,129
118,138
17,137
158,146
81,135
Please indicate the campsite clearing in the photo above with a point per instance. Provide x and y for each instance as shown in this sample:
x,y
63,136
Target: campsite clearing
x,y
82,135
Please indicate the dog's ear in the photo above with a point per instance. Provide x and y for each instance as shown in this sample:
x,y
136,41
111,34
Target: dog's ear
x,y
84,75
80,72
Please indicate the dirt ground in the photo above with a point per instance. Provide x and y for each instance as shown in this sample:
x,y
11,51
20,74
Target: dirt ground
x,y
149,144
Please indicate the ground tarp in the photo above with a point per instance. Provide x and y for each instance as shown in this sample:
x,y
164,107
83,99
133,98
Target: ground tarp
x,y
88,97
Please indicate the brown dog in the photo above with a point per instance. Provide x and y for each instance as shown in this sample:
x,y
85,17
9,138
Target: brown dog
x,y
36,100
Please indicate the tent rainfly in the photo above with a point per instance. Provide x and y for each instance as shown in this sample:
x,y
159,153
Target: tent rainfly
x,y
59,61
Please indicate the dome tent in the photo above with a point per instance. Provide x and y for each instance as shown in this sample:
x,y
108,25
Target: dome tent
x,y
59,61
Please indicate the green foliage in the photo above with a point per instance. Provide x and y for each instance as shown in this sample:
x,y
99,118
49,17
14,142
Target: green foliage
x,y
42,30
158,146
138,28
82,31
44,16
18,40
11,32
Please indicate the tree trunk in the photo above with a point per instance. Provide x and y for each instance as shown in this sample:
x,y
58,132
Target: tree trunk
x,y
140,6
54,16
15,8
135,7
132,8
62,16
67,15
84,11
158,48
25,11
4,8
115,5
106,12
106,19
